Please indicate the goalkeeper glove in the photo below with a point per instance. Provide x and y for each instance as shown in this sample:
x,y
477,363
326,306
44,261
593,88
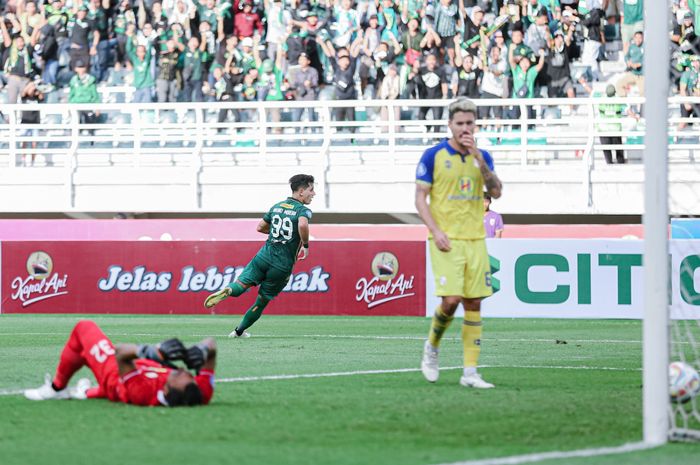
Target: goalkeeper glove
x,y
165,352
196,356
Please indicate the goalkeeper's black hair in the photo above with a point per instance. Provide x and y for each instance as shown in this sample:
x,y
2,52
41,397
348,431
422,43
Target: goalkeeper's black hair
x,y
190,397
300,181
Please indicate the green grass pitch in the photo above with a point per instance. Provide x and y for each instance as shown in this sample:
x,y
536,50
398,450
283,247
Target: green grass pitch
x,y
560,385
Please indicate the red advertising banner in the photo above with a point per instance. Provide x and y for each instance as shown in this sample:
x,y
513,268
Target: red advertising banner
x,y
338,278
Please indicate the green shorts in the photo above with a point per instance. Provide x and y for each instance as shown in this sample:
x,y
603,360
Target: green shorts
x,y
270,279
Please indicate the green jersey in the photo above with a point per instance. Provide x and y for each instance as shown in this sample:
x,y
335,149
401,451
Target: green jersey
x,y
142,69
283,242
633,11
524,83
636,56
83,89
609,115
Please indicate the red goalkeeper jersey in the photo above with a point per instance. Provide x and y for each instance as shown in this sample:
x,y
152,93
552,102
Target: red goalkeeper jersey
x,y
144,386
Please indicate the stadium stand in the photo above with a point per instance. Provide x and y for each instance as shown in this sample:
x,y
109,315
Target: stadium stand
x,y
247,85
250,50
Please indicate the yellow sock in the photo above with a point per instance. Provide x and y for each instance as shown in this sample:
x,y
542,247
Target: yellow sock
x,y
438,326
471,338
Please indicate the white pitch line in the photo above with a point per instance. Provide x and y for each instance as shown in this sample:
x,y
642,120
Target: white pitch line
x,y
561,367
352,336
541,456
335,374
407,370
11,392
323,375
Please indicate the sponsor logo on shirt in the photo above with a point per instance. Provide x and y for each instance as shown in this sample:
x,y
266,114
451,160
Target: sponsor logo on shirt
x,y
465,185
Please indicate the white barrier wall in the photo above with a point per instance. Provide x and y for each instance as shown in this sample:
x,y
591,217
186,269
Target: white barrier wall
x,y
176,157
579,279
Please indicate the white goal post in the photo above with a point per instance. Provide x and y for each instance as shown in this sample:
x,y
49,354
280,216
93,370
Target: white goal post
x,y
656,270
669,333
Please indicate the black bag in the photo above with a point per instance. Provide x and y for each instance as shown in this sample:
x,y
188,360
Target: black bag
x,y
187,73
522,91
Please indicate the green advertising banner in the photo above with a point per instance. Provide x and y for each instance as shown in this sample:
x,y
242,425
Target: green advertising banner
x,y
579,278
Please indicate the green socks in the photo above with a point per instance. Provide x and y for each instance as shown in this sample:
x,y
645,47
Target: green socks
x,y
253,313
236,289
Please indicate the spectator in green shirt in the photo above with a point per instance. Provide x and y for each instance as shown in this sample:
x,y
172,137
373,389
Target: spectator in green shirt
x,y
83,86
122,17
193,69
694,7
635,61
610,122
140,57
689,88
83,89
521,60
270,85
632,21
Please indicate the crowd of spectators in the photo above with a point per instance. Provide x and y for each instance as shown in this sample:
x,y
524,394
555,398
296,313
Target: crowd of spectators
x,y
247,50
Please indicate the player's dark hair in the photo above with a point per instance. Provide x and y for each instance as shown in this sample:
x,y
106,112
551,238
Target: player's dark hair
x,y
191,396
300,181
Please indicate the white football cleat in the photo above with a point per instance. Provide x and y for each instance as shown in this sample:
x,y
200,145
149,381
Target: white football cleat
x,y
429,364
79,392
244,334
46,392
217,297
474,381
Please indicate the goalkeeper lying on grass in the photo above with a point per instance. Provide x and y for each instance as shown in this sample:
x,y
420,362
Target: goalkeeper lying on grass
x,y
140,375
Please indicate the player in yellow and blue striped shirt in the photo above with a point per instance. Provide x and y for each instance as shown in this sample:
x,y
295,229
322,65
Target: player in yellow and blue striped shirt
x,y
454,174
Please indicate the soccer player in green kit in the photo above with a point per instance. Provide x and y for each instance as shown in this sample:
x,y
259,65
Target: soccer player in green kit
x,y
287,227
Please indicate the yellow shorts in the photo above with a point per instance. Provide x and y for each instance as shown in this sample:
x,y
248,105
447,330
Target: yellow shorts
x,y
463,271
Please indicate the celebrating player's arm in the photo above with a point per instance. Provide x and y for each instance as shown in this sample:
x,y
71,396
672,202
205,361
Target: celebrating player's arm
x,y
263,227
304,237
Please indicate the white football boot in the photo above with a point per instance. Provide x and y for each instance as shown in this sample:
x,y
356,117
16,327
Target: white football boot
x,y
474,380
244,334
429,364
79,392
46,392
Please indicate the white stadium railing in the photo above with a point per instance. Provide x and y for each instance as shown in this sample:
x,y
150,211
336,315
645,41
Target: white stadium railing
x,y
178,157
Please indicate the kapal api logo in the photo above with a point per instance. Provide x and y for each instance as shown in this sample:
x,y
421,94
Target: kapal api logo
x,y
386,284
40,284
